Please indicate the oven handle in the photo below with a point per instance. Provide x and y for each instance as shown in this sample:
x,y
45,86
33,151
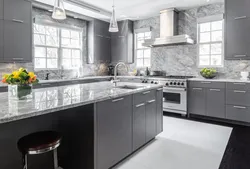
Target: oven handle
x,y
174,89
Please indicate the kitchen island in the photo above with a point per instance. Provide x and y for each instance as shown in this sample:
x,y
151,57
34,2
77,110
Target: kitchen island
x,y
100,124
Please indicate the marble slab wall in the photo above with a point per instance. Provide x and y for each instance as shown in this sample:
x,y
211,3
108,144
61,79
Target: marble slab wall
x,y
86,70
182,60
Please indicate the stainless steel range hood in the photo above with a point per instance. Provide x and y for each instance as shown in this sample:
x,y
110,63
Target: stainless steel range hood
x,y
169,31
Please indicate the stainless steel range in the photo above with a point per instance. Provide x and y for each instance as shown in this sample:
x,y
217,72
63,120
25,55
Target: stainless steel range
x,y
174,92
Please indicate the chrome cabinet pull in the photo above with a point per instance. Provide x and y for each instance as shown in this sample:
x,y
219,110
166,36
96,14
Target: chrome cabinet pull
x,y
240,17
140,105
146,92
16,20
197,88
160,89
17,58
216,90
239,91
239,83
238,56
206,82
99,36
239,107
151,101
117,100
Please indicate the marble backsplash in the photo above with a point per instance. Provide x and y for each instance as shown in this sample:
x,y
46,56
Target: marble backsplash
x,y
182,60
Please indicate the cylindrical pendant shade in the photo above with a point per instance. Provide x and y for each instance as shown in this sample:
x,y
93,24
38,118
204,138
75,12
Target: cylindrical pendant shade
x,y
59,11
113,27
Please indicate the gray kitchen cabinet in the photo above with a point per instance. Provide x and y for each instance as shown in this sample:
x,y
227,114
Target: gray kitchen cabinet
x,y
17,42
238,113
215,103
17,10
237,40
197,101
122,43
238,97
139,126
3,89
237,9
159,110
1,9
1,39
113,131
151,119
99,42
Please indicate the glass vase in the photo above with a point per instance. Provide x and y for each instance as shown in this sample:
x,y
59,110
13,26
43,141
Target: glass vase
x,y
20,92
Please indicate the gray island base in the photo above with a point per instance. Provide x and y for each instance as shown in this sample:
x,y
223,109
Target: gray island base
x,y
101,125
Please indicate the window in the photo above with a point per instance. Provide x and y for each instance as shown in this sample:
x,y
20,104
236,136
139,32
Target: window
x,y
210,43
55,47
143,54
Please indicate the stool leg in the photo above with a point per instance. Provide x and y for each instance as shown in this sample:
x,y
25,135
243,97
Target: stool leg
x,y
55,159
25,161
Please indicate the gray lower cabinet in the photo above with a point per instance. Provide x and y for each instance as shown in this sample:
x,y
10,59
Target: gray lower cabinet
x,y
238,97
1,9
1,39
151,119
236,9
114,131
3,89
17,42
238,113
215,103
197,101
159,111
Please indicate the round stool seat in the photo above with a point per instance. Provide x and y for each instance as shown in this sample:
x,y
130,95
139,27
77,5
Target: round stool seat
x,y
40,142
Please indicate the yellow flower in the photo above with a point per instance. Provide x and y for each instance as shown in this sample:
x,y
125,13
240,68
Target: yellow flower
x,y
31,74
16,74
5,76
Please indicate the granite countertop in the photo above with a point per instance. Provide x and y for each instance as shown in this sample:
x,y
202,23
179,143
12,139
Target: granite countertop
x,y
219,80
48,100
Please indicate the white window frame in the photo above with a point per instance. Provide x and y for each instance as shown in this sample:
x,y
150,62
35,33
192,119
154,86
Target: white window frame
x,y
60,47
208,19
137,31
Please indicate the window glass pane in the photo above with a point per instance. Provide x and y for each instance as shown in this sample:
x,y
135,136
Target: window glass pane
x,y
140,36
218,25
204,49
51,31
147,53
39,29
76,54
75,43
66,63
216,48
204,60
148,35
40,52
76,63
217,36
51,41
52,53
139,44
65,33
147,62
140,62
66,53
205,27
75,35
205,37
40,63
39,39
65,42
216,60
139,53
51,63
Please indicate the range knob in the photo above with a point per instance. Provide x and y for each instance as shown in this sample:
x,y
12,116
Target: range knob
x,y
152,82
171,83
146,81
182,84
178,83
174,83
143,81
156,82
167,84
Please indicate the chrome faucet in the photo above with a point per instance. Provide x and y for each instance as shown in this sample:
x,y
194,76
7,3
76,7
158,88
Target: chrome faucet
x,y
115,81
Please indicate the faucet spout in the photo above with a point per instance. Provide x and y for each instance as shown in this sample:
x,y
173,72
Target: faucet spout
x,y
115,81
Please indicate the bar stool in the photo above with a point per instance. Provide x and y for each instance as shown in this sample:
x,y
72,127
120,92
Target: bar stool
x,y
39,143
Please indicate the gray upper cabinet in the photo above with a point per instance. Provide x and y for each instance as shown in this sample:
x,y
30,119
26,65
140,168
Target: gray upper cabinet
x,y
215,103
237,9
17,10
114,131
1,9
99,42
122,43
17,42
237,40
1,39
197,101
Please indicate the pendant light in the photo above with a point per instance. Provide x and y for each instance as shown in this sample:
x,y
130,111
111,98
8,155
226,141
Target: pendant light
x,y
59,11
113,27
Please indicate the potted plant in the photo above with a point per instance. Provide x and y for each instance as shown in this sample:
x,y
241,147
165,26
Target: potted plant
x,y
20,84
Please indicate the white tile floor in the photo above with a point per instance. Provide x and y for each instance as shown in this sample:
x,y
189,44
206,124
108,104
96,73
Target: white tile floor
x,y
183,145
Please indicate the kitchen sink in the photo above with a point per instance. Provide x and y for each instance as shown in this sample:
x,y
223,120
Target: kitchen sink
x,y
129,87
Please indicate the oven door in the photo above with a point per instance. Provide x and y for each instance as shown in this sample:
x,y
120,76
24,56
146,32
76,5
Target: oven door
x,y
175,99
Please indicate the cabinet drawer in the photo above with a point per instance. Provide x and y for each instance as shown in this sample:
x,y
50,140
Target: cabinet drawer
x,y
238,86
144,97
207,84
239,113
238,97
3,89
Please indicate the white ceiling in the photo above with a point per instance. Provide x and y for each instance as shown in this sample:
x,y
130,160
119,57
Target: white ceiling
x,y
133,9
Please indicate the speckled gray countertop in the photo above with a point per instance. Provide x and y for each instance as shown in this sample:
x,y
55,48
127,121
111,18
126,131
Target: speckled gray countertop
x,y
48,100
220,80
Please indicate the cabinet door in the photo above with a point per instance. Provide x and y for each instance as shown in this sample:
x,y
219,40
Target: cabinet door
x,y
119,49
17,10
102,49
239,113
237,9
1,9
151,120
197,101
139,126
17,42
215,103
114,131
101,28
1,39
159,115
237,40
